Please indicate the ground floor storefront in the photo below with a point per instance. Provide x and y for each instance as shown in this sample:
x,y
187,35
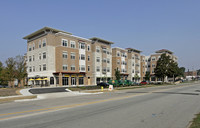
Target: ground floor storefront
x,y
70,79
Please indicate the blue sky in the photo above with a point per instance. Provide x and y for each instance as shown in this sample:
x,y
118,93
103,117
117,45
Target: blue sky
x,y
147,25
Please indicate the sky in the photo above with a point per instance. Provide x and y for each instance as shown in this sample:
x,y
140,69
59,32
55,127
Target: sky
x,y
146,25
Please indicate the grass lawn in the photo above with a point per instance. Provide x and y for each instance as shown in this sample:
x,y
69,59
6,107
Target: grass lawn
x,y
196,122
9,92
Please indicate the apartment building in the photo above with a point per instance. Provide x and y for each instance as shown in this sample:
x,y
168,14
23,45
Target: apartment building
x,y
154,58
102,60
59,58
120,62
134,65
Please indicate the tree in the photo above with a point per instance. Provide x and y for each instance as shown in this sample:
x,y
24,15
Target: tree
x,y
173,70
1,73
117,74
147,76
10,71
20,69
182,71
198,72
136,77
161,70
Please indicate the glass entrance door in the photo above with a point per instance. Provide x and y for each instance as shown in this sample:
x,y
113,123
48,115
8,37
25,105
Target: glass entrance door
x,y
73,81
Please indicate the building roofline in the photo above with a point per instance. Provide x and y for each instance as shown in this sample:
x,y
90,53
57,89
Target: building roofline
x,y
119,48
101,40
43,30
164,50
134,50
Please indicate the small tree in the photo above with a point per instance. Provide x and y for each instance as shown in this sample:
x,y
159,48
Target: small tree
x,y
173,70
117,74
136,77
147,76
181,71
10,71
20,69
161,70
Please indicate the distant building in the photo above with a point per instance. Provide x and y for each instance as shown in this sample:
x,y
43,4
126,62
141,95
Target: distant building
x,y
190,75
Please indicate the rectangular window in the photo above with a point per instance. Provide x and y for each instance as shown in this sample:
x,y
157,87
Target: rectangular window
x,y
81,80
30,58
133,71
29,48
44,67
82,68
33,58
33,68
118,53
30,69
82,45
64,67
153,58
108,52
39,44
98,69
65,55
73,44
33,46
73,68
82,57
44,42
73,56
64,43
104,60
40,56
104,69
108,60
97,49
44,55
88,68
108,69
104,50
98,59
88,47
40,68
88,58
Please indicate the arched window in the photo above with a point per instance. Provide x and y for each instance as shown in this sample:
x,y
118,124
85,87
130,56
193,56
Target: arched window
x,y
51,81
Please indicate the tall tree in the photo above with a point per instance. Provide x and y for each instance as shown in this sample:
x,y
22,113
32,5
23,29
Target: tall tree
x,y
147,76
1,73
173,70
182,71
10,71
161,70
20,69
117,74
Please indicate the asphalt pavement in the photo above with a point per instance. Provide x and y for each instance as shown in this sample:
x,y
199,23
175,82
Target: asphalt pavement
x,y
160,107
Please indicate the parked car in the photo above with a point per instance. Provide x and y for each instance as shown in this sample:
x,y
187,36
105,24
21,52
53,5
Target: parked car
x,y
143,83
104,84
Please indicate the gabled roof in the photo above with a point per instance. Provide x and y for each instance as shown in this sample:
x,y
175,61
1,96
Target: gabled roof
x,y
101,40
43,30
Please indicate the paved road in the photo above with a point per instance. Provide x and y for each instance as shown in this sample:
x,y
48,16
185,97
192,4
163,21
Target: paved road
x,y
161,107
